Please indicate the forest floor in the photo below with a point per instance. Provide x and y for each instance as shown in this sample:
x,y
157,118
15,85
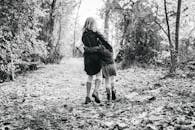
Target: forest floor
x,y
52,98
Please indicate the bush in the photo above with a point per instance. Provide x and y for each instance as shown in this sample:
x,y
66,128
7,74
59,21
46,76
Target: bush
x,y
141,40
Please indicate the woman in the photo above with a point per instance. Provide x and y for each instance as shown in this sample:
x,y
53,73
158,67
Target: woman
x,y
92,61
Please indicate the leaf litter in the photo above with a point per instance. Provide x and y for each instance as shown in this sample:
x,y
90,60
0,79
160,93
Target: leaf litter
x,y
52,98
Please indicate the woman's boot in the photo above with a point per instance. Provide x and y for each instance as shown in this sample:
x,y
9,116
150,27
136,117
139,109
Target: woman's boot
x,y
95,94
87,99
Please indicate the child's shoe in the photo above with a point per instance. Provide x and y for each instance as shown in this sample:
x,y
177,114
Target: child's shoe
x,y
108,94
113,94
96,97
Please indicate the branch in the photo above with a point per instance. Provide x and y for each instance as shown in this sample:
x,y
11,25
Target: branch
x,y
184,10
126,4
104,1
190,33
167,21
161,27
155,20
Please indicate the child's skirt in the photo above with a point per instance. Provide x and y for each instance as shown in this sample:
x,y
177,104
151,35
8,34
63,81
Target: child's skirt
x,y
108,70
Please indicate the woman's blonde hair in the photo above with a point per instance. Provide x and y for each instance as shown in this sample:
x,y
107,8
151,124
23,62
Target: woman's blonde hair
x,y
90,24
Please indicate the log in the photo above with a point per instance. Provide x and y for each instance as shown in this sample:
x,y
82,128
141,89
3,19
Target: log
x,y
24,66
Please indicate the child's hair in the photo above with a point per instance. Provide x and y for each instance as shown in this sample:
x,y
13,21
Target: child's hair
x,y
90,24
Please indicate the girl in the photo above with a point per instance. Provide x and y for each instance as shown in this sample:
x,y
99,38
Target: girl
x,y
108,68
92,61
107,62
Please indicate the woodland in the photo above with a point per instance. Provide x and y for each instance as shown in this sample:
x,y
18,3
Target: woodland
x,y
42,81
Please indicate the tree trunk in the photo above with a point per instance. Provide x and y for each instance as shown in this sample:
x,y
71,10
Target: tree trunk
x,y
125,26
107,17
75,29
175,52
51,26
172,50
12,61
59,35
177,26
106,24
53,4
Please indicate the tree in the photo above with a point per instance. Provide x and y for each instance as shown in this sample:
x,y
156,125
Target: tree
x,y
19,32
140,39
111,6
177,26
57,10
51,24
173,51
106,19
75,27
28,29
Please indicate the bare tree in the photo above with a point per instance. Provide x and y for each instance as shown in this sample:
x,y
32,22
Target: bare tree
x,y
51,24
75,28
173,51
177,25
107,16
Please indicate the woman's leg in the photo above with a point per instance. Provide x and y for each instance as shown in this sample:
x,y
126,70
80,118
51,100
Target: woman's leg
x,y
88,85
97,85
97,82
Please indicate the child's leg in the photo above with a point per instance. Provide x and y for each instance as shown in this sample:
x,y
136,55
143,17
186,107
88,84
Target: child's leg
x,y
107,86
113,88
107,82
112,82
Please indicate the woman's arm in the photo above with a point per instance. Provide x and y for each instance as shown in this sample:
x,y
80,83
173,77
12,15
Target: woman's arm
x,y
104,42
92,49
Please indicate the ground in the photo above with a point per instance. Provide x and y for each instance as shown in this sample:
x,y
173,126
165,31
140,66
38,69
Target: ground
x,y
52,98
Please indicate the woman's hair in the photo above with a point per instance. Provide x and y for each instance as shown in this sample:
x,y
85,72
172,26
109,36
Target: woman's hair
x,y
90,24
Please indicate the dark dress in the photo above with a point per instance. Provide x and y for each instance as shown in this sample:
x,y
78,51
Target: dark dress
x,y
104,51
92,61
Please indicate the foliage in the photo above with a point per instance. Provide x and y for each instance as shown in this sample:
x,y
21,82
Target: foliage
x,y
54,22
140,40
27,28
186,26
143,21
19,31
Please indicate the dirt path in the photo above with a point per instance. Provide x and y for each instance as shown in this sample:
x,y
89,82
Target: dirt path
x,y
64,83
52,98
